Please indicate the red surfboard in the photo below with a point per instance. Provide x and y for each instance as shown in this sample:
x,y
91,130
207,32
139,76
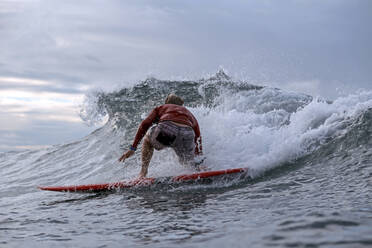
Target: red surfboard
x,y
143,182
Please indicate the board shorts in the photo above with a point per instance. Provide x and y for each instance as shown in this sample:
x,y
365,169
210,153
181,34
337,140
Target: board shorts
x,y
179,138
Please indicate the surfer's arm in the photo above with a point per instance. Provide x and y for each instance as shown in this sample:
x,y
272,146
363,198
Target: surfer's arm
x,y
144,126
142,129
198,139
198,146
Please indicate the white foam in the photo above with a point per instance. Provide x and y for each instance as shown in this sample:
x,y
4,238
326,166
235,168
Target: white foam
x,y
234,137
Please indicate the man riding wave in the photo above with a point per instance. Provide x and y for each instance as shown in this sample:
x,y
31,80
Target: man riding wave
x,y
176,127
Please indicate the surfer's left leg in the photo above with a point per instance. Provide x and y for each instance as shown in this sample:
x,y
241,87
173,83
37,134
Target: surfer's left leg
x,y
184,146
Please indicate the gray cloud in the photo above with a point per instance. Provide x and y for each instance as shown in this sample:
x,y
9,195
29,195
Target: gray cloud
x,y
39,89
266,40
314,46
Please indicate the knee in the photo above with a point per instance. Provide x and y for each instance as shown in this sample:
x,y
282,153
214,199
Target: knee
x,y
146,142
146,139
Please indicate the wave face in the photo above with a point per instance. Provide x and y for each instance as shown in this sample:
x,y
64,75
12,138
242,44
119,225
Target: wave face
x,y
242,125
290,142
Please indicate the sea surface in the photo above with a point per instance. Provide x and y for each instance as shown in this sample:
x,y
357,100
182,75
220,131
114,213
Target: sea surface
x,y
309,178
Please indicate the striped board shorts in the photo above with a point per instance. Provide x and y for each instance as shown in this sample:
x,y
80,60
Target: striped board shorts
x,y
180,138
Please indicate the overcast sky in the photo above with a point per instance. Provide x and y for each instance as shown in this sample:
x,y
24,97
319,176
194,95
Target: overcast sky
x,y
52,52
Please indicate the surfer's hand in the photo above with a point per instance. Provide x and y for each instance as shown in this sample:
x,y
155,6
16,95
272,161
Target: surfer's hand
x,y
126,155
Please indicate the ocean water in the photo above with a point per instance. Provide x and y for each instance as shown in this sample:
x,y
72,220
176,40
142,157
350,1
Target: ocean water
x,y
309,178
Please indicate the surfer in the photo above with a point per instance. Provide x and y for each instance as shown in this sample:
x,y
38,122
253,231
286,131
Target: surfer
x,y
176,127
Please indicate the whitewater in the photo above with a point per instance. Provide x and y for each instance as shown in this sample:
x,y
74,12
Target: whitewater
x,y
309,179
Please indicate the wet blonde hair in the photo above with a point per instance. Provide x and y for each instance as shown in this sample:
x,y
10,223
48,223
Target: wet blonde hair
x,y
173,99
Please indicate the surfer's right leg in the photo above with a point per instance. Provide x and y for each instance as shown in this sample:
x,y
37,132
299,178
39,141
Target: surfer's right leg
x,y
147,151
149,144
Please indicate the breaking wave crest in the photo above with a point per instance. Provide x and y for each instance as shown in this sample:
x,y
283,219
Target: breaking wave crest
x,y
242,125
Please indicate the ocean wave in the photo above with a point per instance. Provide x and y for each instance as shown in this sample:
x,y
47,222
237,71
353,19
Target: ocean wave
x,y
242,125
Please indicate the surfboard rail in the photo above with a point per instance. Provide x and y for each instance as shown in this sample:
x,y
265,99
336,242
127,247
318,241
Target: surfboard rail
x,y
141,182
